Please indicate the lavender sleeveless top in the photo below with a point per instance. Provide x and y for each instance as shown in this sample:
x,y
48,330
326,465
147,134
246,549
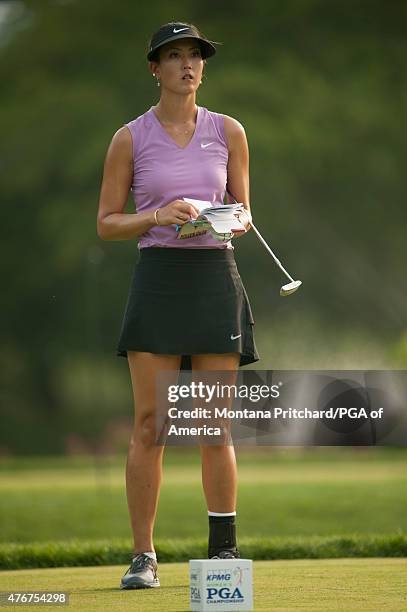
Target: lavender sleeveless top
x,y
163,171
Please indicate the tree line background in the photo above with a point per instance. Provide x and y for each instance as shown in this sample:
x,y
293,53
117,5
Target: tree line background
x,y
320,88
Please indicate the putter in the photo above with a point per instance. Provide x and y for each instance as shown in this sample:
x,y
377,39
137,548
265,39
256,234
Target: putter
x,y
289,288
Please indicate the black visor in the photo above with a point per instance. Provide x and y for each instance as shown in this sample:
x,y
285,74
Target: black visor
x,y
175,31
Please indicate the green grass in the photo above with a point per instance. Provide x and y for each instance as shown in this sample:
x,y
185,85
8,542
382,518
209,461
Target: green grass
x,y
317,585
287,493
110,552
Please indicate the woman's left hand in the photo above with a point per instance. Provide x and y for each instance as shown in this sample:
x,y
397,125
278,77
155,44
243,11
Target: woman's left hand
x,y
244,220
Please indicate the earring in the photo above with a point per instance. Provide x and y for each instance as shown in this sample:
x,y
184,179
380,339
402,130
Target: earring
x,y
158,81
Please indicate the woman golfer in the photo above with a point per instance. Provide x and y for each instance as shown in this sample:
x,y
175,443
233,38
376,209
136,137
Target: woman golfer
x,y
187,307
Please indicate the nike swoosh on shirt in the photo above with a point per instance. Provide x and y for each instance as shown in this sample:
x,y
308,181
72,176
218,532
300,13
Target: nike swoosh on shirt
x,y
207,144
180,30
232,337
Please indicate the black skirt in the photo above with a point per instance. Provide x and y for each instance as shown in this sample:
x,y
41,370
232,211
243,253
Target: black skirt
x,y
187,302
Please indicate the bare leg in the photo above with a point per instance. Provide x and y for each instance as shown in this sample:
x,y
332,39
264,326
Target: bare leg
x,y
219,471
219,477
144,460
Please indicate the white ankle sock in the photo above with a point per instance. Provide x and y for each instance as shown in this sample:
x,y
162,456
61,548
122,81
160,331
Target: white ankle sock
x,y
152,555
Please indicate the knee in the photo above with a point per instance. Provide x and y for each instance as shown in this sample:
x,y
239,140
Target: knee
x,y
145,430
223,438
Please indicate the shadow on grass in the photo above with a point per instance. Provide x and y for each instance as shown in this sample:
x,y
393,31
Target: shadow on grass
x,y
118,589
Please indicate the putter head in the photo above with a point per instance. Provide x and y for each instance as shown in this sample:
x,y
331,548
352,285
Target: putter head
x,y
290,288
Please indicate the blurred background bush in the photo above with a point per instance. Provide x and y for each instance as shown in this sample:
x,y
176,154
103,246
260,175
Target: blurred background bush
x,y
320,88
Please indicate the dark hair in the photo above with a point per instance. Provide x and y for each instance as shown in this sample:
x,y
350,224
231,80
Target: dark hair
x,y
156,55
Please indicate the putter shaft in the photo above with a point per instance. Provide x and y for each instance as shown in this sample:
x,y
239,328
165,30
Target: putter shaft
x,y
264,243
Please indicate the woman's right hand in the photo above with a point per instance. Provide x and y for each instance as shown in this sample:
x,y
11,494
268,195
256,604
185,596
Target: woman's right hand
x,y
176,212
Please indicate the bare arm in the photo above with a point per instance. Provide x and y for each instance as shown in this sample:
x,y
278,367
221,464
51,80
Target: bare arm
x,y
112,222
238,166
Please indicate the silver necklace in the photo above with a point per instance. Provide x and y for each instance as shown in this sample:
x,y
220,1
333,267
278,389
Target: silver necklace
x,y
183,132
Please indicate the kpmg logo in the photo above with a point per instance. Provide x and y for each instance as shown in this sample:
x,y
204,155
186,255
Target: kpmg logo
x,y
225,577
217,577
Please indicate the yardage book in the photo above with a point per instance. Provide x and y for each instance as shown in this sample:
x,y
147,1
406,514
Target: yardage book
x,y
220,220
